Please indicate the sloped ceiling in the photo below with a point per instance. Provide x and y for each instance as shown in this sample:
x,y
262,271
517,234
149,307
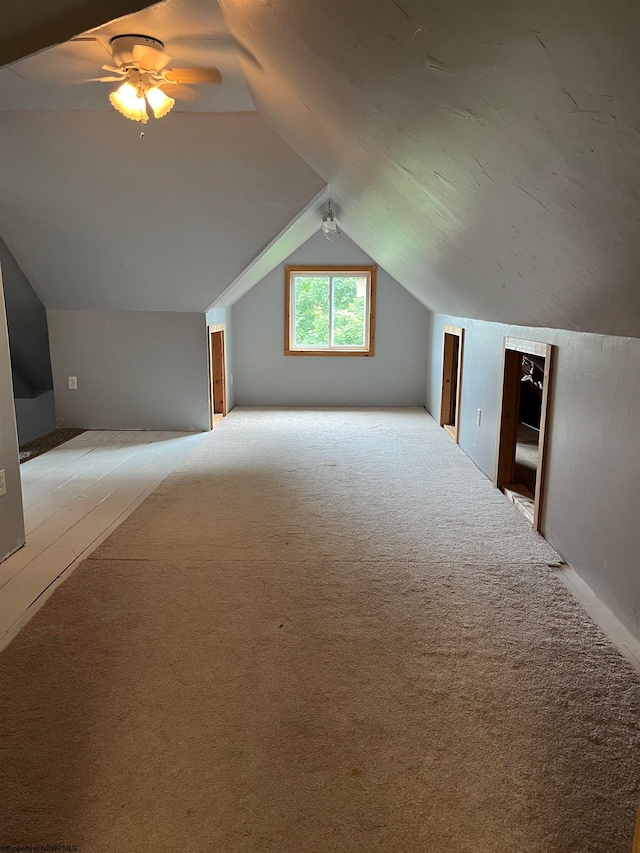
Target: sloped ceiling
x,y
193,31
487,154
28,26
98,218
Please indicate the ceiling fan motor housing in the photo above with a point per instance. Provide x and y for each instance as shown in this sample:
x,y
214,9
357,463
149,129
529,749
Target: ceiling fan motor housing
x,y
138,52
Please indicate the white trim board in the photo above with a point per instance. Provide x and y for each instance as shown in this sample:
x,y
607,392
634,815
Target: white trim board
x,y
607,621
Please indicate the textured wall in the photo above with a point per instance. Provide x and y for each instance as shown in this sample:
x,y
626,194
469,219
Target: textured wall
x,y
395,376
11,520
135,369
593,464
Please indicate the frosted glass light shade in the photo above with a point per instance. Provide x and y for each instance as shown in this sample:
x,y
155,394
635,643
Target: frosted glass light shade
x,y
126,101
160,103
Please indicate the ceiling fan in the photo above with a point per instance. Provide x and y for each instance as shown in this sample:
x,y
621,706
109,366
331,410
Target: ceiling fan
x,y
142,67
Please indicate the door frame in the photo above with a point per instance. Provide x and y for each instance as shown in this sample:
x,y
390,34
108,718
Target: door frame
x,y
508,418
214,369
451,370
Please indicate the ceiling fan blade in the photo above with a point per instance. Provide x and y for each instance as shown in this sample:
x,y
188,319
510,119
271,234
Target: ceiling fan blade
x,y
180,92
120,79
149,57
193,76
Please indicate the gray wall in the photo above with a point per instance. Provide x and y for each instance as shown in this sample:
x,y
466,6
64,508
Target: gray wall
x,y
395,376
35,416
224,316
85,205
29,344
135,369
590,513
27,323
11,519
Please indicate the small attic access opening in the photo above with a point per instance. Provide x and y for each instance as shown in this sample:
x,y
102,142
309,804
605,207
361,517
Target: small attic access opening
x,y
451,381
522,425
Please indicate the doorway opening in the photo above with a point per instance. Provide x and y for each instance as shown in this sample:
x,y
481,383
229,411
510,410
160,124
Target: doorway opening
x,y
217,375
526,376
451,381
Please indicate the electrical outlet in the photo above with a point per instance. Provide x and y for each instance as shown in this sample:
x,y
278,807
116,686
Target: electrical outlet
x,y
479,416
73,383
3,483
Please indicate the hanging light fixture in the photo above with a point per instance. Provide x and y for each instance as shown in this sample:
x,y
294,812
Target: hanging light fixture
x,y
329,224
160,103
132,101
128,102
141,70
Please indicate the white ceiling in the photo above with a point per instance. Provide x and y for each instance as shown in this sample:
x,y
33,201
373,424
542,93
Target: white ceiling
x,y
485,152
194,34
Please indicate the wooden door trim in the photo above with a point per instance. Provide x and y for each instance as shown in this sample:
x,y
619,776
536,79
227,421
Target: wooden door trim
x,y
211,330
508,416
445,403
542,442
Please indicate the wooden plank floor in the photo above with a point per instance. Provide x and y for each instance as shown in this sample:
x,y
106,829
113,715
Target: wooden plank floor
x,y
74,496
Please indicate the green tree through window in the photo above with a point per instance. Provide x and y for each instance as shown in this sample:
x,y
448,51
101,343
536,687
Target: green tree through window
x,y
348,312
330,311
312,294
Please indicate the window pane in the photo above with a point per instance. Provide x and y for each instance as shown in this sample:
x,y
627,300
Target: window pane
x,y
312,310
349,306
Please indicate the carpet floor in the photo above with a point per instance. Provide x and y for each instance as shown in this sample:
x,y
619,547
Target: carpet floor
x,y
324,631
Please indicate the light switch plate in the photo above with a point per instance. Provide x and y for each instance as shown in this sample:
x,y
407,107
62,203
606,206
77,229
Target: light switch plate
x,y
3,483
479,416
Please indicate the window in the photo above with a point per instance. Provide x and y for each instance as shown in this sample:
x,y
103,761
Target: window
x,y
329,310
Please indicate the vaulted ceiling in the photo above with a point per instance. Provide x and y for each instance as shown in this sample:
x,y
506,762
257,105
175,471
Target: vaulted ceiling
x,y
485,152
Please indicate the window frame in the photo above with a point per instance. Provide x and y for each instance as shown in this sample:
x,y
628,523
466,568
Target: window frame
x,y
330,270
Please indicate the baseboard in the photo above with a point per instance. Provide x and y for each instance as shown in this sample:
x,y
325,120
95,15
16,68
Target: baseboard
x,y
607,621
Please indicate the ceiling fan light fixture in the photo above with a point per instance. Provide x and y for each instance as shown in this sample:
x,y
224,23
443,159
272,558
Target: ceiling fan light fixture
x,y
160,103
125,99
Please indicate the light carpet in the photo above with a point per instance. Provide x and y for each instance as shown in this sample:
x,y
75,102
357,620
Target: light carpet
x,y
325,631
